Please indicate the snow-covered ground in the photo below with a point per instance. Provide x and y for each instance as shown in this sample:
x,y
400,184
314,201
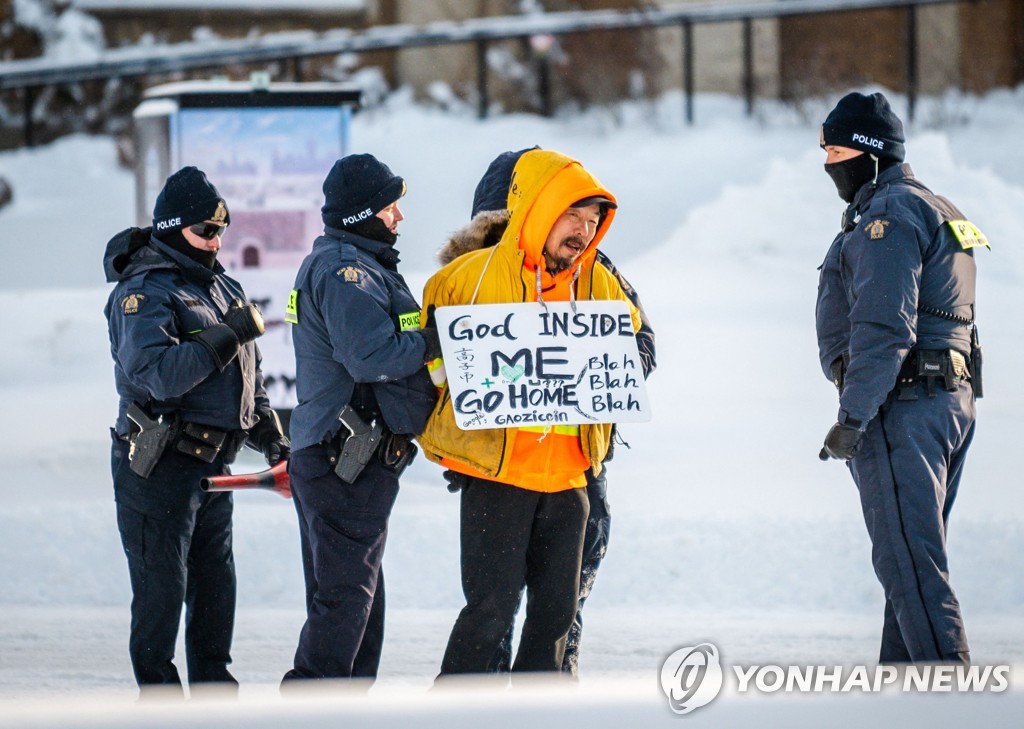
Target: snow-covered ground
x,y
726,528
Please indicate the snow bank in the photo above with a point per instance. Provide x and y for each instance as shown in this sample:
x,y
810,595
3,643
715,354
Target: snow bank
x,y
725,524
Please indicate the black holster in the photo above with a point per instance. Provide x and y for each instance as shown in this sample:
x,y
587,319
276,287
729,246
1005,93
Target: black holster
x,y
356,447
977,383
353,450
148,439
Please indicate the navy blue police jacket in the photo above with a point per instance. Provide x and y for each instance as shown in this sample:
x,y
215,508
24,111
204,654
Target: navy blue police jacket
x,y
354,320
162,298
904,251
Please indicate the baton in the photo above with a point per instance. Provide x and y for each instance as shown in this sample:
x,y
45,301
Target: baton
x,y
274,479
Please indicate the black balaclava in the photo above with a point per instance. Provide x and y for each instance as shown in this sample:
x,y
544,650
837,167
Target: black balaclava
x,y
852,174
374,229
175,239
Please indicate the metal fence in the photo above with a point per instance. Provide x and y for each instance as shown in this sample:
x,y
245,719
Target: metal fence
x,y
30,76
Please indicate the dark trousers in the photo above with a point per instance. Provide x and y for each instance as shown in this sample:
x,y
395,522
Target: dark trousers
x,y
343,529
178,545
908,473
511,536
595,545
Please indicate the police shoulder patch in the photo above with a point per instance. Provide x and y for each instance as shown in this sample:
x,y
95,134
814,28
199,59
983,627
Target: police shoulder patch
x,y
350,274
132,303
968,235
877,229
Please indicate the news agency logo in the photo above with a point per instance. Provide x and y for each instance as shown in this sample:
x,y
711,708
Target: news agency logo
x,y
692,677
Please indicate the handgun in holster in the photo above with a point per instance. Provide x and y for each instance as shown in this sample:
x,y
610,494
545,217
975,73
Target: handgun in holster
x,y
359,447
150,442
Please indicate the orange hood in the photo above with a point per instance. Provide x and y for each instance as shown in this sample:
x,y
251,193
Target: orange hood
x,y
544,185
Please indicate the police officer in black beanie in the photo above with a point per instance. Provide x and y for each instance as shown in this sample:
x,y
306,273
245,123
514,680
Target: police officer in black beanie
x,y
865,124
896,335
363,392
191,393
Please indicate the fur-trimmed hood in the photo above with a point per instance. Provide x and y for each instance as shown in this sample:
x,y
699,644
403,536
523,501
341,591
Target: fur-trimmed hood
x,y
482,231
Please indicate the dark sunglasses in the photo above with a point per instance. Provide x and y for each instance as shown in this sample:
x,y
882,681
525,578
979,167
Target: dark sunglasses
x,y
207,231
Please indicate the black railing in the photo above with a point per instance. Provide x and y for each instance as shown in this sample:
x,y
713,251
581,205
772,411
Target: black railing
x,y
33,74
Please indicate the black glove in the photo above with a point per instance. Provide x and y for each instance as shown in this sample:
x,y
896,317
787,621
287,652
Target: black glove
x,y
455,480
842,442
221,341
245,320
268,437
433,342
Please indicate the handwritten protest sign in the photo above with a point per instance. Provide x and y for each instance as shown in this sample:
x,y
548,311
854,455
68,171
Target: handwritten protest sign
x,y
516,365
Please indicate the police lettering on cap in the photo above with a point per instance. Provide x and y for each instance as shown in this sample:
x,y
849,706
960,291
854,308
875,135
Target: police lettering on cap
x,y
867,123
358,187
188,197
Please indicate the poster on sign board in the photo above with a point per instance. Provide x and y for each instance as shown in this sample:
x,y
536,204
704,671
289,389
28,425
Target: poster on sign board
x,y
560,363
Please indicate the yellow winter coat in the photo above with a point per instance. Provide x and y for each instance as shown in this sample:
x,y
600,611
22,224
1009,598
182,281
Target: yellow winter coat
x,y
544,185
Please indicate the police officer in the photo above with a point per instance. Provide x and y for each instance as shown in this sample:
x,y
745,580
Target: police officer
x,y
895,325
363,391
191,391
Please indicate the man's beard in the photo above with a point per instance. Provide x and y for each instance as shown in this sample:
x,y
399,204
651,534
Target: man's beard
x,y
559,264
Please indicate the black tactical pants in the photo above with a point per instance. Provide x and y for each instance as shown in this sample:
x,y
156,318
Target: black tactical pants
x,y
510,537
178,543
908,472
343,530
595,545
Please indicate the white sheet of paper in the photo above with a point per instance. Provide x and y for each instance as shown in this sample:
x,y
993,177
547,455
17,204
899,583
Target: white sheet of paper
x,y
516,365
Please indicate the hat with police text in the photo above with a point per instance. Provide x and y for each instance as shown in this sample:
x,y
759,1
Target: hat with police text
x,y
866,123
188,198
358,187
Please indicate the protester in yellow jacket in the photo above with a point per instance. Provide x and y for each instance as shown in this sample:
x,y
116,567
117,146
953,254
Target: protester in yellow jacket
x,y
524,504
544,187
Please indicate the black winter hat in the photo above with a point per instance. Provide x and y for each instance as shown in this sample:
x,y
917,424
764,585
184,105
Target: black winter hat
x,y
188,198
866,123
358,187
492,190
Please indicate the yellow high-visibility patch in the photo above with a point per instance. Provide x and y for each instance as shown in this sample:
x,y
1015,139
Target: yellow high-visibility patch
x,y
968,235
409,321
291,310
